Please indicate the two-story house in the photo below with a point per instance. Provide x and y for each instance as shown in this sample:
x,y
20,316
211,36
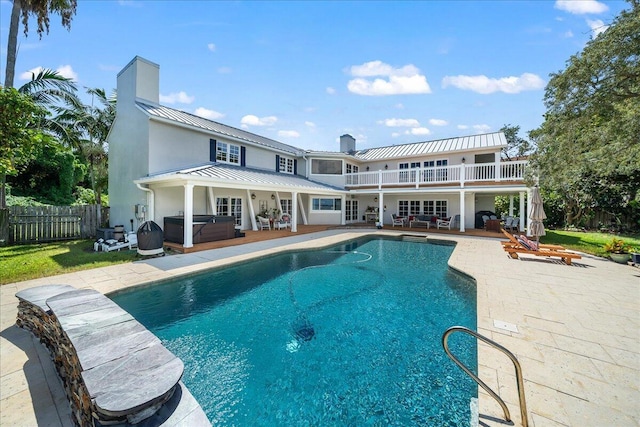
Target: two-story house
x,y
167,162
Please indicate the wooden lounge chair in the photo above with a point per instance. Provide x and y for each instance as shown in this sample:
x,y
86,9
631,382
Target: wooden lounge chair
x,y
515,246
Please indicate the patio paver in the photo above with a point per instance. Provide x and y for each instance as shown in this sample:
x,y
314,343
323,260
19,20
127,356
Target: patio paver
x,y
578,336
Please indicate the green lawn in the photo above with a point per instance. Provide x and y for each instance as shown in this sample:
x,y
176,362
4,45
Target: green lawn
x,y
24,262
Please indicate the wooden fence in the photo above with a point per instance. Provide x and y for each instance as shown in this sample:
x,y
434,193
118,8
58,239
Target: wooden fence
x,y
34,224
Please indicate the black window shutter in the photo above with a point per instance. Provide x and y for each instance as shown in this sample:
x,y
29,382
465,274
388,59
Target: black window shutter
x,y
295,166
212,150
277,163
243,156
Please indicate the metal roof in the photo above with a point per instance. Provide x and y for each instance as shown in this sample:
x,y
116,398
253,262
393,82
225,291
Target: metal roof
x,y
463,143
209,125
241,177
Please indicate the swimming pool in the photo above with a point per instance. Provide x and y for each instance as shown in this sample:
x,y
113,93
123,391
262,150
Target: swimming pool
x,y
348,335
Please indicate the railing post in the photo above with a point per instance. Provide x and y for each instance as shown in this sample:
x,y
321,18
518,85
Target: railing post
x,y
462,175
379,179
498,171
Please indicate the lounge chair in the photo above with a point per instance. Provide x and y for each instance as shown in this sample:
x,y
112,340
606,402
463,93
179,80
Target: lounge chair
x,y
283,222
397,220
264,223
522,245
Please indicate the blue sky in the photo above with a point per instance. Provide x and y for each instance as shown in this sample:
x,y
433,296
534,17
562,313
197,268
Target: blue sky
x,y
306,72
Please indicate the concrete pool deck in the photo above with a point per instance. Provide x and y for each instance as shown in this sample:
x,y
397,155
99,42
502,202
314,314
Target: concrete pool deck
x,y
577,339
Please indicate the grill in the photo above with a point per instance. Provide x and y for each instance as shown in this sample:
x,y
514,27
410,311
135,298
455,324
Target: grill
x,y
150,239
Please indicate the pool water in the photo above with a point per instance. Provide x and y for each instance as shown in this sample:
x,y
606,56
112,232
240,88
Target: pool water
x,y
349,335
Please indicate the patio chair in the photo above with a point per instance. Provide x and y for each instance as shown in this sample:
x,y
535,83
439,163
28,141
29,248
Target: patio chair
x,y
397,220
283,222
264,223
512,224
521,245
448,223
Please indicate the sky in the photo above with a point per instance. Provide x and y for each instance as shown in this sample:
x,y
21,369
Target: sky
x,y
305,72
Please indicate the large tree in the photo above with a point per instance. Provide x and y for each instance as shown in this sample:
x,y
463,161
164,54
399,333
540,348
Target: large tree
x,y
39,9
18,136
588,147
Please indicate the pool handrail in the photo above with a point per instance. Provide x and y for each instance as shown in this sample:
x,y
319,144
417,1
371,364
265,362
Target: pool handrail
x,y
516,364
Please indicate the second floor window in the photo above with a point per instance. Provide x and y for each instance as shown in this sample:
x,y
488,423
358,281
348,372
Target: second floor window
x,y
352,168
326,167
228,153
286,165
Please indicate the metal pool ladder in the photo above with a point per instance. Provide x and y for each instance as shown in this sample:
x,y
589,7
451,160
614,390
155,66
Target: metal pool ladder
x,y
516,364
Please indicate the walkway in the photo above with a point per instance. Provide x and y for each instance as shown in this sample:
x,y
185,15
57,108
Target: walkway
x,y
578,330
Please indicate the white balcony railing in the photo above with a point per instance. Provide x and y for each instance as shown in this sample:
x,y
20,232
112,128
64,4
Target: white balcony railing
x,y
458,174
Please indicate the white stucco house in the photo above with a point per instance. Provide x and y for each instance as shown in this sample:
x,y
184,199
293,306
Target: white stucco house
x,y
165,162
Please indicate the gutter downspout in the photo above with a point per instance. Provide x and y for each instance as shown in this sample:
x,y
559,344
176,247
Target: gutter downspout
x,y
150,199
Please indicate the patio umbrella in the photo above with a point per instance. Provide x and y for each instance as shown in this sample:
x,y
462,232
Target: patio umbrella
x,y
537,215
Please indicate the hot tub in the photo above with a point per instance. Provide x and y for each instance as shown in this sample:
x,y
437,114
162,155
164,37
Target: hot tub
x,y
206,228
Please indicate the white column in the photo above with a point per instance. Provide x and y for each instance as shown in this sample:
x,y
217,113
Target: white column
x,y
252,212
212,201
462,209
511,205
303,212
343,215
523,212
381,208
497,166
188,216
294,212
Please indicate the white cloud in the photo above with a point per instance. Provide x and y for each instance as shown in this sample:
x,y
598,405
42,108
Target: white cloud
x,y
331,91
310,124
211,47
224,70
486,85
399,106
581,7
207,114
396,81
63,70
482,128
251,120
420,131
288,134
407,123
177,98
568,34
438,122
462,127
597,27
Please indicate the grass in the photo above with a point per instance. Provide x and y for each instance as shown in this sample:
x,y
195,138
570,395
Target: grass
x,y
25,262
588,242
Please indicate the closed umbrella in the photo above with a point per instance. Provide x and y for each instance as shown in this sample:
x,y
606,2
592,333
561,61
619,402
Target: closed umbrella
x,y
537,215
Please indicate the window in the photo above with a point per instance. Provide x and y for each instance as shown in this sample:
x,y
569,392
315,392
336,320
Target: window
x,y
437,170
351,210
436,207
286,206
403,208
286,165
326,167
404,174
352,168
230,206
228,153
414,207
441,171
319,204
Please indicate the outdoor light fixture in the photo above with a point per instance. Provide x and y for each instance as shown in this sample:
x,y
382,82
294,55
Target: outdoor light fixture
x,y
253,196
375,199
386,166
463,160
273,197
367,168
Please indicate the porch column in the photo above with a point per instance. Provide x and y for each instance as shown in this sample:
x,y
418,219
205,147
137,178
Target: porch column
x,y
188,216
212,201
343,215
252,212
305,221
294,212
462,196
511,205
381,208
497,166
523,213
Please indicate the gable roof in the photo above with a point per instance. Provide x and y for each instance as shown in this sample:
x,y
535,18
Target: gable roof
x,y
242,177
438,146
170,114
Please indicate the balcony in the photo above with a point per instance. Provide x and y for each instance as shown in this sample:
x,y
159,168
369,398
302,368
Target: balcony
x,y
455,175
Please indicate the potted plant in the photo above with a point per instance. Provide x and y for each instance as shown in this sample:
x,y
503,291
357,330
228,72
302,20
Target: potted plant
x,y
618,250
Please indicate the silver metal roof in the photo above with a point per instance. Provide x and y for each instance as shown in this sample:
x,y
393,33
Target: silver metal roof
x,y
463,143
241,177
209,125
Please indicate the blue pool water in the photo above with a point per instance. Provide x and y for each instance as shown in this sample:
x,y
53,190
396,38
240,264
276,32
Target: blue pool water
x,y
349,335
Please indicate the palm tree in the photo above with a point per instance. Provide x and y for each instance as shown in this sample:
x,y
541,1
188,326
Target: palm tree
x,y
85,129
40,9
